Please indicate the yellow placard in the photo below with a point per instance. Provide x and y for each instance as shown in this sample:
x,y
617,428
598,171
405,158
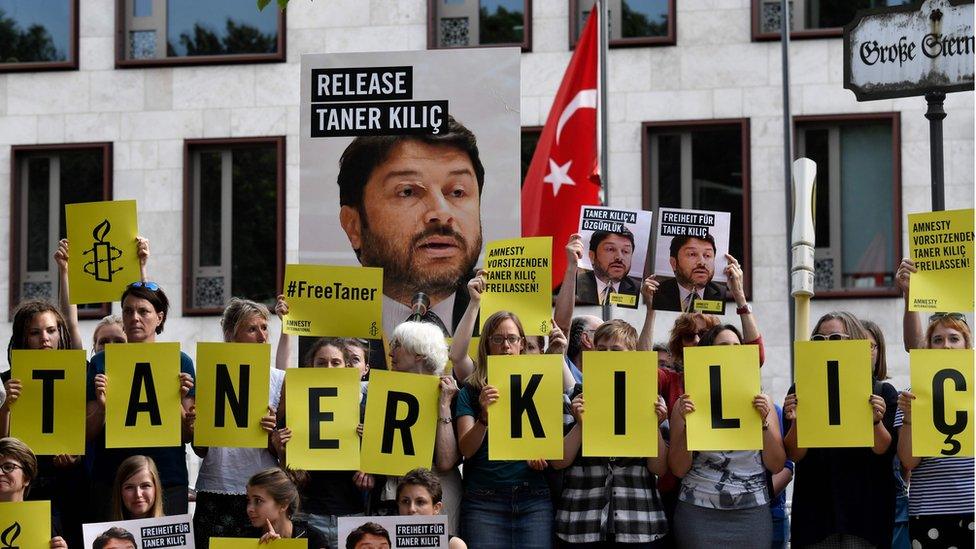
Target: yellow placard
x,y
623,299
722,381
25,524
142,406
401,422
102,259
526,422
942,412
709,306
325,300
254,543
620,389
941,245
322,411
833,391
49,416
519,280
232,386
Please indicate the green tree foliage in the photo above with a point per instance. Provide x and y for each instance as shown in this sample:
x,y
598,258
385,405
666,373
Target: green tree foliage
x,y
18,45
636,24
502,27
237,38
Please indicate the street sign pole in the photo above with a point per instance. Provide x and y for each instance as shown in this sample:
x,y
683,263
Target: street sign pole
x,y
936,114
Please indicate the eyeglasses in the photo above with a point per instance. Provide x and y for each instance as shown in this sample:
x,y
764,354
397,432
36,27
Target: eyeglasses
x,y
954,316
692,335
151,286
10,467
500,339
836,336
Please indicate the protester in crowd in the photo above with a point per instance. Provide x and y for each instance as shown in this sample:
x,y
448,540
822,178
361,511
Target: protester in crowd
x,y
144,312
271,502
855,484
39,325
505,503
724,498
940,502
419,492
419,348
18,468
137,491
610,501
222,481
108,330
355,353
463,366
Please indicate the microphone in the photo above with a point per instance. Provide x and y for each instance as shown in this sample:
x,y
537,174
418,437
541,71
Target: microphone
x,y
419,306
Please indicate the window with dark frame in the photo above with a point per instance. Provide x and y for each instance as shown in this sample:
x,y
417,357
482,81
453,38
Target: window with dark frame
x,y
810,18
37,36
163,32
632,22
472,23
44,180
530,138
858,203
234,217
702,165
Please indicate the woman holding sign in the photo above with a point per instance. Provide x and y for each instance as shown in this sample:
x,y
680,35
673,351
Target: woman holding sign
x,y
505,503
221,485
18,468
723,496
844,495
940,498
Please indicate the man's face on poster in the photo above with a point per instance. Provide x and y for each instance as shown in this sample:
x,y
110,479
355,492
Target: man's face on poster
x,y
420,219
370,541
116,543
695,264
612,258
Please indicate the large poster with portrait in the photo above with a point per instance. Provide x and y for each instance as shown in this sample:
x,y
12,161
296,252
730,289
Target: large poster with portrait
x,y
410,162
614,252
173,532
689,260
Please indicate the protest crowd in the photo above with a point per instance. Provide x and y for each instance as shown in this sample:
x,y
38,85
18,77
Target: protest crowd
x,y
842,497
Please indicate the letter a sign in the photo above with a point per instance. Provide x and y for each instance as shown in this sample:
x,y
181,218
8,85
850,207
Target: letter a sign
x,y
527,420
142,407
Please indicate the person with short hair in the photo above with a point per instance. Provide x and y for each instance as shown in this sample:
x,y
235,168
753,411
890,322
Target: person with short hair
x,y
693,262
941,489
115,537
611,254
18,468
368,535
137,491
854,483
145,309
610,501
419,493
272,501
108,330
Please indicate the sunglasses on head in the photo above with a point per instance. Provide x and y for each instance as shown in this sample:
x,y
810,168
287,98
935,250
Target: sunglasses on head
x,y
836,336
152,286
954,316
691,335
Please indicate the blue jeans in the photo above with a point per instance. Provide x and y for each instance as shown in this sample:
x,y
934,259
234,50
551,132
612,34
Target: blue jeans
x,y
781,532
507,517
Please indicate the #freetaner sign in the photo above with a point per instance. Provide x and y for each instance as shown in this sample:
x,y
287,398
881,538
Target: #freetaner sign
x,y
904,51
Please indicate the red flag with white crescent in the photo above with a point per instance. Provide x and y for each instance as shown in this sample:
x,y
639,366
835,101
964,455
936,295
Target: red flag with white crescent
x,y
564,173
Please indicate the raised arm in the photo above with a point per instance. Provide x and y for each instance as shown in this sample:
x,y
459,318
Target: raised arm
x,y
471,429
566,298
659,464
793,451
912,332
574,437
283,354
463,365
445,445
679,457
64,297
750,328
908,461
645,342
773,451
142,250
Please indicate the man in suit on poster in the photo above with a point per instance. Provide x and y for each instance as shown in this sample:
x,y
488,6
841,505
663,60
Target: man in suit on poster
x,y
611,254
693,261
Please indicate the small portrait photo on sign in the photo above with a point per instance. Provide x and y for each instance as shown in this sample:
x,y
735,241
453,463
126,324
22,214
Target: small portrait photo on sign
x,y
393,532
410,162
614,255
173,532
689,260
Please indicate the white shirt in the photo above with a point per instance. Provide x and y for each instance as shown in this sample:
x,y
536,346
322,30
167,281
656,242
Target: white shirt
x,y
600,285
683,294
395,312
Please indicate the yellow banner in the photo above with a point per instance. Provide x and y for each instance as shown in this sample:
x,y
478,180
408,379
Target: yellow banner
x,y
722,381
25,524
833,388
49,416
232,386
142,407
253,543
941,245
527,420
401,422
620,389
322,411
519,279
102,259
942,413
324,300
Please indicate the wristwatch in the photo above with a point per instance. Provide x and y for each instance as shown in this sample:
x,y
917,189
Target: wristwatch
x,y
744,310
445,420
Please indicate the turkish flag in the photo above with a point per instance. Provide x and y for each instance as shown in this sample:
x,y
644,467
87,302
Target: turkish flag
x,y
564,173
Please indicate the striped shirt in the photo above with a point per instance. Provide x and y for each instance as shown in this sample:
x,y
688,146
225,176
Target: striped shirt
x,y
940,486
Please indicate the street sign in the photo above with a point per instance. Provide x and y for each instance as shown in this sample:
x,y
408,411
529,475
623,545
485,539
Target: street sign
x,y
910,50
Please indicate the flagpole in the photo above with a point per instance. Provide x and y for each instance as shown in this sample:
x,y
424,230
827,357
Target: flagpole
x,y
602,30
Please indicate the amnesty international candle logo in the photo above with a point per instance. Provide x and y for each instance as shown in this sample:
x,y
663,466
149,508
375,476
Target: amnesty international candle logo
x,y
9,536
102,254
